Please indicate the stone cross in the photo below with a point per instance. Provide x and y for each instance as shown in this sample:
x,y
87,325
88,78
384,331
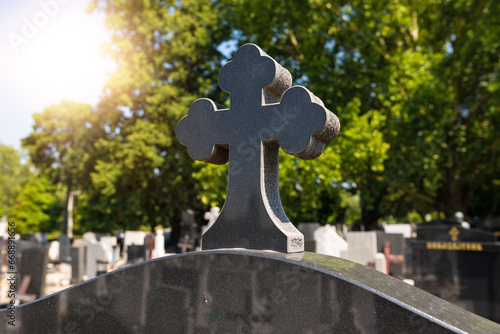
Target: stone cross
x,y
212,215
265,113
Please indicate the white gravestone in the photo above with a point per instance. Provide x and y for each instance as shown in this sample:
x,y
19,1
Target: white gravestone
x,y
328,242
159,249
109,244
307,229
404,229
94,253
89,238
3,227
362,248
133,238
54,251
211,216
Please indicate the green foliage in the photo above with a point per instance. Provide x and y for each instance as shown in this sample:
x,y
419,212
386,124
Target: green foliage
x,y
415,86
62,141
37,208
13,176
167,58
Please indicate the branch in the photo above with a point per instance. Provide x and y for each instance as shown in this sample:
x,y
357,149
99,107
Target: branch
x,y
294,41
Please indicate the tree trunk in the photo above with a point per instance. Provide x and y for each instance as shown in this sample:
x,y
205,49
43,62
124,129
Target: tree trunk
x,y
64,227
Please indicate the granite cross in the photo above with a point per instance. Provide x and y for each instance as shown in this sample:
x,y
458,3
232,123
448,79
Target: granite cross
x,y
265,113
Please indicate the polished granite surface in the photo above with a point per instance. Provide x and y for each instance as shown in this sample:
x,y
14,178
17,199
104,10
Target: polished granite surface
x,y
240,291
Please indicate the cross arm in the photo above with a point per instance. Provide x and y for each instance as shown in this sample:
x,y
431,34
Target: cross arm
x,y
202,132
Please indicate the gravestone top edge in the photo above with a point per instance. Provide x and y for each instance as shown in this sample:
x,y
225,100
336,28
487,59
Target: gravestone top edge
x,y
417,301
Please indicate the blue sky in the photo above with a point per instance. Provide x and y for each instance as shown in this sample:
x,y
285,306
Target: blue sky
x,y
49,50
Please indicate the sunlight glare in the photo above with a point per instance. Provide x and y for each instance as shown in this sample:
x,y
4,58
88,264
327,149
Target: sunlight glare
x,y
63,59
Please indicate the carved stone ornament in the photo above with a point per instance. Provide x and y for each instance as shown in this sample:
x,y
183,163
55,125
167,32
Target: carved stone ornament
x,y
265,113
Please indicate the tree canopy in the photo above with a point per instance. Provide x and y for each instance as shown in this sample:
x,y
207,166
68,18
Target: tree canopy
x,y
13,176
414,83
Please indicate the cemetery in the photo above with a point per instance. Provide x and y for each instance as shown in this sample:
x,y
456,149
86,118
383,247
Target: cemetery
x,y
250,269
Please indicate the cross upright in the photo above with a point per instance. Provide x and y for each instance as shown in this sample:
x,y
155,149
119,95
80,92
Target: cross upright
x,y
265,113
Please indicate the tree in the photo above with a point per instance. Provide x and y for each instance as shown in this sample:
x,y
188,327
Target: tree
x,y
13,176
37,209
167,57
421,77
62,143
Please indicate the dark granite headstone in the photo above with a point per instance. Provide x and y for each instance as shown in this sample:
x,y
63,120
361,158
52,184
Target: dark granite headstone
x,y
231,291
34,263
459,265
188,235
64,248
78,261
394,247
136,253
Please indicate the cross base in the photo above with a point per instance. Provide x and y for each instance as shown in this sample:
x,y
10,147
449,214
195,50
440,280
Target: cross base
x,y
261,234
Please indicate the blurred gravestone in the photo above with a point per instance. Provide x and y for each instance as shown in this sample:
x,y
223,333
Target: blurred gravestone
x,y
187,241
307,229
393,246
110,247
211,216
328,242
54,251
159,243
34,263
133,238
64,248
78,254
136,253
459,265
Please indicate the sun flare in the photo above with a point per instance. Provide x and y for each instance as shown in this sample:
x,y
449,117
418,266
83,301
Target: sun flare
x,y
63,59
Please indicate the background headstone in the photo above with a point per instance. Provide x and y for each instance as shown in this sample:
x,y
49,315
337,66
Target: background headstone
x,y
328,242
307,229
95,258
404,229
78,263
159,243
362,249
188,236
396,258
64,248
459,265
136,253
109,245
89,238
133,238
211,216
34,263
54,251
4,224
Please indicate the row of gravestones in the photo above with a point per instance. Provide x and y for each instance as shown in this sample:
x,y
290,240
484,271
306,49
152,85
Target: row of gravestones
x,y
457,264
89,257
380,250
